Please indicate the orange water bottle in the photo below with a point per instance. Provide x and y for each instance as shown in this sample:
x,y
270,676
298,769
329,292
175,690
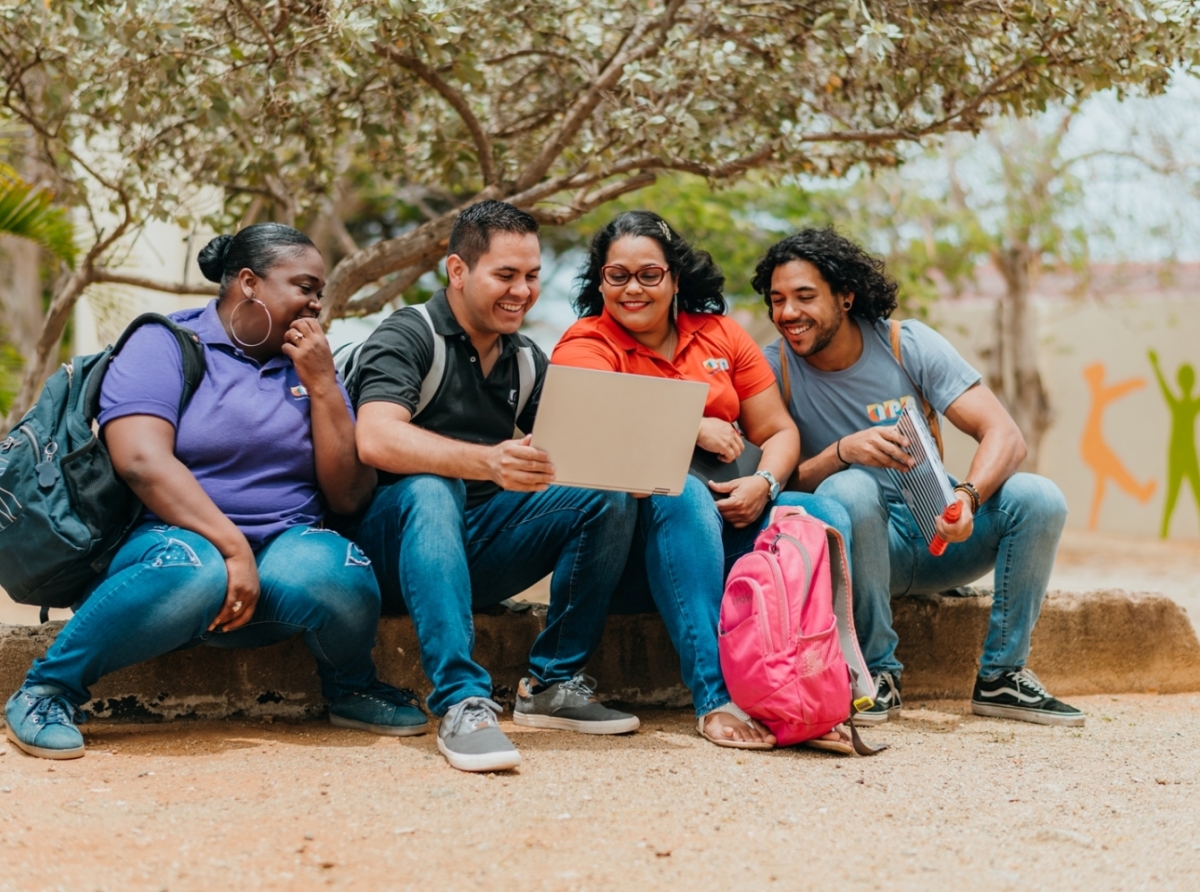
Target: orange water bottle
x,y
951,515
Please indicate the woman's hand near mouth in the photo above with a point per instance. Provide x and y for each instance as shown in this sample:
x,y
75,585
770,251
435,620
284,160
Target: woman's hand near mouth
x,y
304,343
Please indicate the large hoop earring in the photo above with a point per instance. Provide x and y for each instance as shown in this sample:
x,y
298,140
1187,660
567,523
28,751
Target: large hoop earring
x,y
233,323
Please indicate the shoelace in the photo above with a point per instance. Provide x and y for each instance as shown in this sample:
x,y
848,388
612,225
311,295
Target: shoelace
x,y
472,712
581,684
56,710
395,696
882,680
1028,679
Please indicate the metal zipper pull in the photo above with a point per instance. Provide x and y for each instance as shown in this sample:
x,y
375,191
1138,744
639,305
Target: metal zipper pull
x,y
47,471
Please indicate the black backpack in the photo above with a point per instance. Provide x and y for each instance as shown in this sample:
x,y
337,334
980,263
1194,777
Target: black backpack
x,y
63,509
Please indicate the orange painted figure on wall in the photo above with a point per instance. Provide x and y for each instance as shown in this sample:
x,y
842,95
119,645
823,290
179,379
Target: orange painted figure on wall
x,y
1097,454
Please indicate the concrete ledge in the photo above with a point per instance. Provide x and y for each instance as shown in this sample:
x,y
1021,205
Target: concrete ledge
x,y
1101,642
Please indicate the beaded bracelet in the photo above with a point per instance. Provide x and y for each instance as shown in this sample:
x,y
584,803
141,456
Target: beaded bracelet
x,y
972,494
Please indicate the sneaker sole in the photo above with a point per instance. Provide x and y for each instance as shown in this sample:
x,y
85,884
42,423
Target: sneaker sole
x,y
1021,714
870,720
554,723
386,730
42,752
502,761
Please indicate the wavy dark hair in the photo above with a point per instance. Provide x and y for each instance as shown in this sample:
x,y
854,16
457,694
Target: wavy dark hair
x,y
701,282
844,264
257,248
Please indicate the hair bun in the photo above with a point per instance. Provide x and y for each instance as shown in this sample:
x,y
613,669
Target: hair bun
x,y
212,257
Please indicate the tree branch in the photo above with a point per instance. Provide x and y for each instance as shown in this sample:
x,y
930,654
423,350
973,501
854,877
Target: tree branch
x,y
272,56
487,162
583,107
388,292
99,274
559,215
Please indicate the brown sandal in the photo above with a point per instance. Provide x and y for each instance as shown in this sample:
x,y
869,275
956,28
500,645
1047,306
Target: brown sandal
x,y
843,745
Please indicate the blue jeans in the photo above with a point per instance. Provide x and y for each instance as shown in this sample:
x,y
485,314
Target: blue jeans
x,y
436,559
683,550
1016,532
166,585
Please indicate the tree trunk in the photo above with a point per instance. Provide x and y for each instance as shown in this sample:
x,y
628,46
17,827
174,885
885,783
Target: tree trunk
x,y
1024,393
39,366
20,293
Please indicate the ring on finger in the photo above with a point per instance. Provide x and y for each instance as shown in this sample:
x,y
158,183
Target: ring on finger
x,y
237,607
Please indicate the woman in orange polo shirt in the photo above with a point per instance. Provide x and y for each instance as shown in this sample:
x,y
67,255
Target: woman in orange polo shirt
x,y
650,304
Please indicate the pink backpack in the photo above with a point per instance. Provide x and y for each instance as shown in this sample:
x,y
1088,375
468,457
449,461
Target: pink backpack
x,y
787,643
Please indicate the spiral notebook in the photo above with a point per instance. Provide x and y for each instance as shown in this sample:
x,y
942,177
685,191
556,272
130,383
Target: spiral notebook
x,y
926,488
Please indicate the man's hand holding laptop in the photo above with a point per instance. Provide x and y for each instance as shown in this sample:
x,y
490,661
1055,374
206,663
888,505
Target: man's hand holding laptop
x,y
517,466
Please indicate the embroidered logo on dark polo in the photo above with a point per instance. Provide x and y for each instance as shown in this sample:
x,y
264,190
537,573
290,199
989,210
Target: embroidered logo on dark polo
x,y
300,392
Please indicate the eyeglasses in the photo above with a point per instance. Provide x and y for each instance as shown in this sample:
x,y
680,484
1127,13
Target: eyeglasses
x,y
617,276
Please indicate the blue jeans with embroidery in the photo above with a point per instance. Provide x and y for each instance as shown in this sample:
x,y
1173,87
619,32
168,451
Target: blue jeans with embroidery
x,y
166,585
683,550
436,559
1016,533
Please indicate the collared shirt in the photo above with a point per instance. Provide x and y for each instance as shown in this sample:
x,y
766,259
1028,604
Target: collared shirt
x,y
711,348
398,355
246,434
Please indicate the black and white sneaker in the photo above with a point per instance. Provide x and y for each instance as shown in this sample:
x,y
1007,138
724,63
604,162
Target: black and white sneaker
x,y
1019,695
887,701
569,706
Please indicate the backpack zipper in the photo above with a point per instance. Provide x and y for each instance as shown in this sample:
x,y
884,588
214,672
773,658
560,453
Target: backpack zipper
x,y
28,432
51,447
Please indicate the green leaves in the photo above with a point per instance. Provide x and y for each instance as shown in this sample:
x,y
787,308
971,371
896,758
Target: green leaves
x,y
269,106
29,212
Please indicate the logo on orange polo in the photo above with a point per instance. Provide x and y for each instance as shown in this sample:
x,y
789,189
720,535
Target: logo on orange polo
x,y
888,410
716,364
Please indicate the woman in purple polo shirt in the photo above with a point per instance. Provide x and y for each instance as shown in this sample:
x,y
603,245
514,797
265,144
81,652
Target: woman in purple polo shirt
x,y
230,551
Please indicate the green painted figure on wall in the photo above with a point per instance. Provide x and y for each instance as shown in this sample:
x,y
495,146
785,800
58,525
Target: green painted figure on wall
x,y
1181,454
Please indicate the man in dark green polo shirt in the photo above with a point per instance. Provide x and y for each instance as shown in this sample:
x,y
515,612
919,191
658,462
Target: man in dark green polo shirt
x,y
466,515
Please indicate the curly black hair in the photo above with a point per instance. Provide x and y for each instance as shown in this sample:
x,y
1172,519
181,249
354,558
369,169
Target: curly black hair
x,y
844,264
701,282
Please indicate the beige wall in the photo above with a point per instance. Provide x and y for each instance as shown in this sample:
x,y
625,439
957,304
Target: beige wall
x,y
1136,426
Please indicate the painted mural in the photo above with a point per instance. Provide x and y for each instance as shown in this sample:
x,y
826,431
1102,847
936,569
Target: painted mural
x,y
1181,448
1121,373
1096,452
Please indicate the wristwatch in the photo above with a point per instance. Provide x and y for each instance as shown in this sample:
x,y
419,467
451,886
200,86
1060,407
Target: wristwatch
x,y
773,494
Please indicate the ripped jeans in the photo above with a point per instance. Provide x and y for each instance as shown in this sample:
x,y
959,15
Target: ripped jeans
x,y
166,585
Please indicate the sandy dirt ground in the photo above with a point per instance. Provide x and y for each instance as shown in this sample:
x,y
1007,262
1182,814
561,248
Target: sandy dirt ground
x,y
957,802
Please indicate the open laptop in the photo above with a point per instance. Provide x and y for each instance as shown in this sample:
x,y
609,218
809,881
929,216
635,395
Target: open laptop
x,y
607,430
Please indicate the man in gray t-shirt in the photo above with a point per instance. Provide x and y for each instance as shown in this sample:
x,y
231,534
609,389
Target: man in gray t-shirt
x,y
830,301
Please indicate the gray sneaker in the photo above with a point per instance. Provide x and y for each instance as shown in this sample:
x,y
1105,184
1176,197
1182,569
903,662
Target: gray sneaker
x,y
471,740
570,706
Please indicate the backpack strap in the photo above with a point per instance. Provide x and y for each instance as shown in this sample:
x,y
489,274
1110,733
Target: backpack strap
x,y
931,416
192,353
527,371
785,383
345,362
433,378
